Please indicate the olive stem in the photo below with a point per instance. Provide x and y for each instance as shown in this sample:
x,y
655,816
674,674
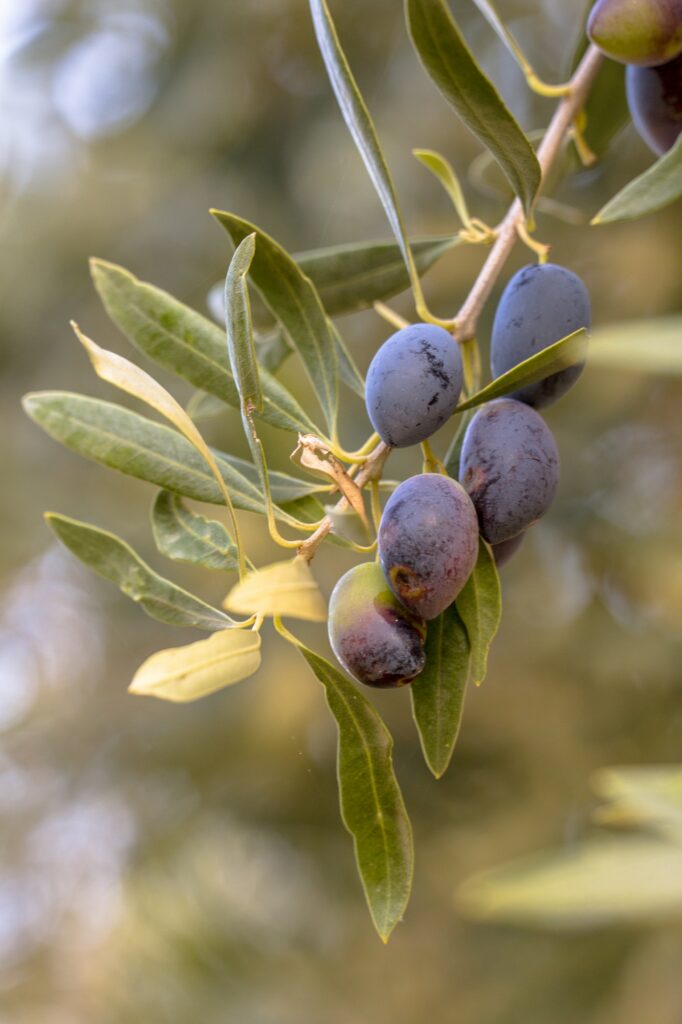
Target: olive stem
x,y
371,470
548,150
506,236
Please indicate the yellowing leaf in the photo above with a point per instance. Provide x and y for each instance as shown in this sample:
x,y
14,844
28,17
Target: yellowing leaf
x,y
186,673
284,588
130,378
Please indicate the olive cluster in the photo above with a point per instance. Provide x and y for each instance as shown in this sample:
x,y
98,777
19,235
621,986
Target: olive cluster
x,y
428,537
647,36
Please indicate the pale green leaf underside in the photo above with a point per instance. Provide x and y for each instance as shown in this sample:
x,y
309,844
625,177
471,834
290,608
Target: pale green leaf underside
x,y
120,439
566,352
642,346
372,805
186,343
112,558
480,607
293,300
186,536
658,186
438,693
450,63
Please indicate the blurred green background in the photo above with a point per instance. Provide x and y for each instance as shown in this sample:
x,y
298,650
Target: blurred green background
x,y
167,863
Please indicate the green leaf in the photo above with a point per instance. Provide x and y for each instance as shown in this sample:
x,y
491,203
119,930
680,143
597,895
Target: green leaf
x,y
444,172
116,437
361,127
372,805
438,693
187,673
185,536
112,558
643,346
660,185
480,607
489,12
286,589
607,881
292,298
186,343
353,277
563,353
121,373
240,343
450,63
348,371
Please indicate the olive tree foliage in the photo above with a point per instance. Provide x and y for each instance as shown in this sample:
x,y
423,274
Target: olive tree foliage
x,y
278,307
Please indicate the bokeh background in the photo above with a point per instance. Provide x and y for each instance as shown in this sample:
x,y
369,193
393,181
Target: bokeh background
x,y
168,863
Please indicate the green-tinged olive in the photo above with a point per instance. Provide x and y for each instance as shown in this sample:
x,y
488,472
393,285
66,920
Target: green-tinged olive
x,y
376,639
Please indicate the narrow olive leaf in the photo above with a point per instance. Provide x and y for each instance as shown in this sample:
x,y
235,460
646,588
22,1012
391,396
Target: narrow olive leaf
x,y
186,536
112,558
123,374
361,127
186,343
489,12
372,806
444,172
480,607
348,371
354,276
132,444
563,353
658,186
240,343
183,674
642,346
284,589
632,879
450,63
292,298
438,693
263,321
